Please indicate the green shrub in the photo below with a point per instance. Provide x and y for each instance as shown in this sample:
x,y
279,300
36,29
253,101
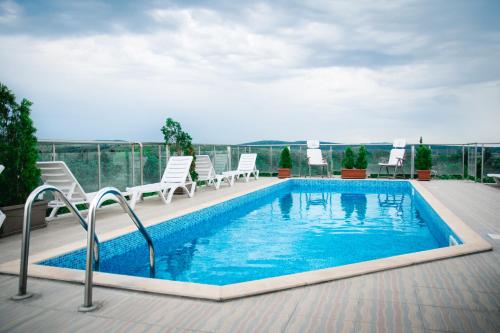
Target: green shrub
x,y
285,159
18,152
348,159
361,162
180,142
423,158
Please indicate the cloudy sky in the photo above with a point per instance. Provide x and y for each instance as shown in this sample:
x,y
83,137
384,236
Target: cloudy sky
x,y
234,71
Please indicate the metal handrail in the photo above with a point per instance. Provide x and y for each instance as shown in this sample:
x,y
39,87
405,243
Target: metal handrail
x,y
91,218
23,268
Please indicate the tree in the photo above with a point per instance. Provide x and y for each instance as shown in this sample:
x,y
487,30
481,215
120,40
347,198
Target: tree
x,y
180,142
348,160
285,159
361,162
423,158
18,152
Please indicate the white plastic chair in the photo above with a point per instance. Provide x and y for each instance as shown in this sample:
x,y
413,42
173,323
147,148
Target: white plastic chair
x,y
315,157
246,168
176,175
57,173
206,172
396,158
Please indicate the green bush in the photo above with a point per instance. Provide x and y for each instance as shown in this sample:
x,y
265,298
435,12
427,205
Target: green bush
x,y
18,152
423,158
361,162
285,159
180,142
348,159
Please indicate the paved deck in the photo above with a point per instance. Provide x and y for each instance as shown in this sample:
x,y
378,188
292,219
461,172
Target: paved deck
x,y
456,295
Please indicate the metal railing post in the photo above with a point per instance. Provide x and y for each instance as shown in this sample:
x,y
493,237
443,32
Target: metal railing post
x,y
412,164
331,158
159,162
270,161
98,166
53,151
463,161
475,162
482,162
300,161
133,164
141,163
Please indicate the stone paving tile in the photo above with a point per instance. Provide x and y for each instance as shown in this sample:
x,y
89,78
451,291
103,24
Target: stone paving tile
x,y
460,299
459,320
13,314
299,324
51,321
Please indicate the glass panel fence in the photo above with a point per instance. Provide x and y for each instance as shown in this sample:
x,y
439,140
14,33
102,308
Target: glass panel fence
x,y
120,163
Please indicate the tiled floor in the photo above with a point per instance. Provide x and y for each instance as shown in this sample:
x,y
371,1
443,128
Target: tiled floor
x,y
456,295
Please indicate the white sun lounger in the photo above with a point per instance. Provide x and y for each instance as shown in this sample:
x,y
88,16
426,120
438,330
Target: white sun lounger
x,y
2,215
495,176
220,163
206,172
396,158
246,168
315,157
176,176
57,173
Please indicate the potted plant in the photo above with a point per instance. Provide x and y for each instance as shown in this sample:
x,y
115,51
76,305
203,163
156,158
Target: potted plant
x,y
351,168
423,161
285,169
18,153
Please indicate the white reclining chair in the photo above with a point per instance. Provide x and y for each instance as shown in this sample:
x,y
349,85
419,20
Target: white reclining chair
x,y
206,172
246,168
2,215
220,163
176,175
495,176
57,174
396,158
315,157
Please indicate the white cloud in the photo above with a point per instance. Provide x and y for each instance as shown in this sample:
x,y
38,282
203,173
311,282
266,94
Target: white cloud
x,y
337,73
9,12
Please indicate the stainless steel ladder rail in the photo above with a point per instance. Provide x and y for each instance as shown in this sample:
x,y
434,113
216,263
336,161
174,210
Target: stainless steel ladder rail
x,y
91,220
23,269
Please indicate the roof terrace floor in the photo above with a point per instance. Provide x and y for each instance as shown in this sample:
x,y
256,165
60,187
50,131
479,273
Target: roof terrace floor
x,y
461,294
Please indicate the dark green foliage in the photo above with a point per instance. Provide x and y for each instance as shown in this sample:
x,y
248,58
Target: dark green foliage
x,y
361,162
348,160
151,164
285,159
180,142
18,152
423,158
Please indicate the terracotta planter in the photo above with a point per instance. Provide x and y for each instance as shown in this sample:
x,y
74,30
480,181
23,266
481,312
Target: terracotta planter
x,y
13,223
284,173
424,174
353,173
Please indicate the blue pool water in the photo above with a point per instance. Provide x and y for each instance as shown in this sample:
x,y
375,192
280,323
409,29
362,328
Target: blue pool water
x,y
292,227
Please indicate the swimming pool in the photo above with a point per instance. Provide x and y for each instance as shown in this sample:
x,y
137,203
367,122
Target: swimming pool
x,y
296,226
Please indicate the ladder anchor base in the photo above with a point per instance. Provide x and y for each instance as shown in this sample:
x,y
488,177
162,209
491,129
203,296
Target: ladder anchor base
x,y
21,297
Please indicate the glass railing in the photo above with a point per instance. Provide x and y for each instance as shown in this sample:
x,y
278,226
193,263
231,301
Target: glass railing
x,y
122,164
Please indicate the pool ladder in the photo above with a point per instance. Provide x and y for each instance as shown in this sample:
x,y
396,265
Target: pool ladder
x,y
92,240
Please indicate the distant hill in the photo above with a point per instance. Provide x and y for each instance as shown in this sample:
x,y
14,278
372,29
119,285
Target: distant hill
x,y
279,142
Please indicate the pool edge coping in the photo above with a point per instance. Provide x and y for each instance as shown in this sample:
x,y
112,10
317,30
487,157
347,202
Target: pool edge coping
x,y
473,243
